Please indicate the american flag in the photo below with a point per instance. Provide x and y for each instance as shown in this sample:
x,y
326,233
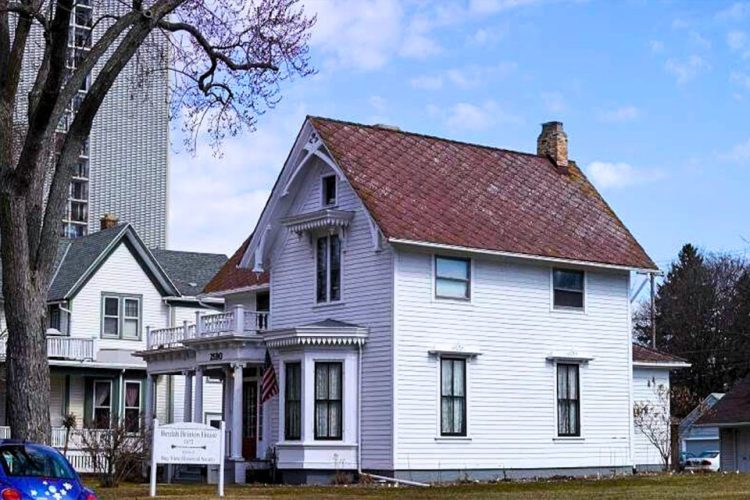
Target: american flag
x,y
268,386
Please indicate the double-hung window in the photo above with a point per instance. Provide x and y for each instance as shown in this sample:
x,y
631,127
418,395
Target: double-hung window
x,y
102,413
568,400
328,401
132,406
54,318
568,288
293,401
452,278
452,397
121,316
328,269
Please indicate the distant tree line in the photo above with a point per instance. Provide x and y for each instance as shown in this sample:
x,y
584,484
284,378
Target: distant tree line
x,y
702,315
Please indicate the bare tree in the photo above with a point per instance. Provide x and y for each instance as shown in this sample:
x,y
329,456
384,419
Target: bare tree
x,y
653,417
116,453
227,61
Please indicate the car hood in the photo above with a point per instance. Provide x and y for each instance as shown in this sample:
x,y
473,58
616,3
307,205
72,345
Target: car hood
x,y
47,488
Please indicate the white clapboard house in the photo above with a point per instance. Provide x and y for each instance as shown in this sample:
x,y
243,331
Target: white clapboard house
x,y
433,310
108,286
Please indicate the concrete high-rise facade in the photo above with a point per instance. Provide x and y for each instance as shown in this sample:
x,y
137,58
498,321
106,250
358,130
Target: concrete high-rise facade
x,y
124,167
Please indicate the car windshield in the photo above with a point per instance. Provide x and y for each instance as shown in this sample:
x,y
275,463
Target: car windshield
x,y
709,454
34,461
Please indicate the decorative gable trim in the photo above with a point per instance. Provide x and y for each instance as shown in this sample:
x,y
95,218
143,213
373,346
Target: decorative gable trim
x,y
326,219
316,336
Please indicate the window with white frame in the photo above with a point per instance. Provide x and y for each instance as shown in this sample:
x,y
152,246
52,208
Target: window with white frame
x,y
568,288
132,405
293,401
568,400
328,190
54,317
121,316
452,397
328,269
452,277
102,411
329,419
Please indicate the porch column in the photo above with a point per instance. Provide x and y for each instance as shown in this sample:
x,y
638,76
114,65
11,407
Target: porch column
x,y
150,399
237,413
198,403
226,411
187,412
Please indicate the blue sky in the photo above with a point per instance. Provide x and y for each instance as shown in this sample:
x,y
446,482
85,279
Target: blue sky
x,y
654,96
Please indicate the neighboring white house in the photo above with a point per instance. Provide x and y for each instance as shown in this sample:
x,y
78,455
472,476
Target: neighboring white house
x,y
651,369
694,439
433,310
108,287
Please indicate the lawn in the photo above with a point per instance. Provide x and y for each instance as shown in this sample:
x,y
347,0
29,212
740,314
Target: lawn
x,y
648,487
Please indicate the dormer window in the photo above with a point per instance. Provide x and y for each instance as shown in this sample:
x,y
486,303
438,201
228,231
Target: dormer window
x,y
328,190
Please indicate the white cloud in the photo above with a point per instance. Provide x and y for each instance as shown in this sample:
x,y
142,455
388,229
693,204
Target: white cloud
x,y
680,23
685,70
656,46
467,116
230,191
427,82
742,79
485,37
621,114
553,102
699,41
607,175
740,153
735,12
737,40
494,6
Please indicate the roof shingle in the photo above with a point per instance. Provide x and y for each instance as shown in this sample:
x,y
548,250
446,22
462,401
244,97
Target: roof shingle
x,y
733,408
644,354
427,189
189,271
232,277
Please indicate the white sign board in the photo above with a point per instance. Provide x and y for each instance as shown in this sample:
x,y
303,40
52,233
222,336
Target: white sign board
x,y
187,443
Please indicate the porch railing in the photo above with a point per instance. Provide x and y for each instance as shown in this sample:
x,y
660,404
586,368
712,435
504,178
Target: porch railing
x,y
238,320
61,347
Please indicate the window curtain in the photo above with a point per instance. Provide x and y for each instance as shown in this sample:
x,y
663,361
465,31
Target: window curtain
x,y
567,400
102,395
132,396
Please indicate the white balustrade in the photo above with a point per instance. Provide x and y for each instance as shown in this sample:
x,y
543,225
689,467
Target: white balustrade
x,y
61,347
212,324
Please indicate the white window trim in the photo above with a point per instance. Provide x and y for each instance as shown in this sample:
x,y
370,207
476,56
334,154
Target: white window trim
x,y
439,384
344,399
442,298
581,422
323,203
562,309
282,393
328,302
125,406
121,297
93,401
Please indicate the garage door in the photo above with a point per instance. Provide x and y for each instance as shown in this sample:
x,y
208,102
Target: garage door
x,y
743,450
696,447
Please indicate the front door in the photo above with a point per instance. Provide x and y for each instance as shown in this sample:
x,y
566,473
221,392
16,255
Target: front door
x,y
250,419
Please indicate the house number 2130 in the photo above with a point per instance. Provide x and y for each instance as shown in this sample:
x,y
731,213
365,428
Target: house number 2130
x,y
216,356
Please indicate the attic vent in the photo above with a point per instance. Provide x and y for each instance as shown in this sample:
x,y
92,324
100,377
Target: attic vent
x,y
385,126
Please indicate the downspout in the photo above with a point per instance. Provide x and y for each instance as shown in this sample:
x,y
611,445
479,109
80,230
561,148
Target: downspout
x,y
359,433
121,398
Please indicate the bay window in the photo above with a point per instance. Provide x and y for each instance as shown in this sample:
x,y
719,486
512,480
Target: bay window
x,y
328,401
293,401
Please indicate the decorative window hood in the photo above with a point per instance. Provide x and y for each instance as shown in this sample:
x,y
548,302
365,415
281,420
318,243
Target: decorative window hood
x,y
569,356
326,220
324,333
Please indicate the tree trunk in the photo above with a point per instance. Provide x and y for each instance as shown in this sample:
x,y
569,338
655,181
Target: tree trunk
x,y
25,295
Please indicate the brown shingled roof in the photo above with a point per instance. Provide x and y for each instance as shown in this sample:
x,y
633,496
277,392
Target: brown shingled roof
x,y
733,408
643,354
427,189
231,277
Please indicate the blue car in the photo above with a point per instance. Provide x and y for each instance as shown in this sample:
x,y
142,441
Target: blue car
x,y
34,471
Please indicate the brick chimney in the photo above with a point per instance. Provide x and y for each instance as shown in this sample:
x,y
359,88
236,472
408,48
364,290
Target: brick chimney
x,y
107,221
553,143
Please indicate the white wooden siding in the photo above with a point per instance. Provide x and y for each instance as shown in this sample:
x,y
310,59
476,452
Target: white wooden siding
x,y
366,292
57,399
122,274
511,385
643,392
212,397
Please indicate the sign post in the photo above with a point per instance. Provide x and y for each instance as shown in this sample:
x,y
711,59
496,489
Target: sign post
x,y
187,443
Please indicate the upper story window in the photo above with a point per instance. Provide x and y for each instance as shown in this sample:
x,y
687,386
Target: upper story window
x,y
568,288
328,269
293,401
568,401
328,401
132,406
54,317
452,397
328,190
452,277
121,316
